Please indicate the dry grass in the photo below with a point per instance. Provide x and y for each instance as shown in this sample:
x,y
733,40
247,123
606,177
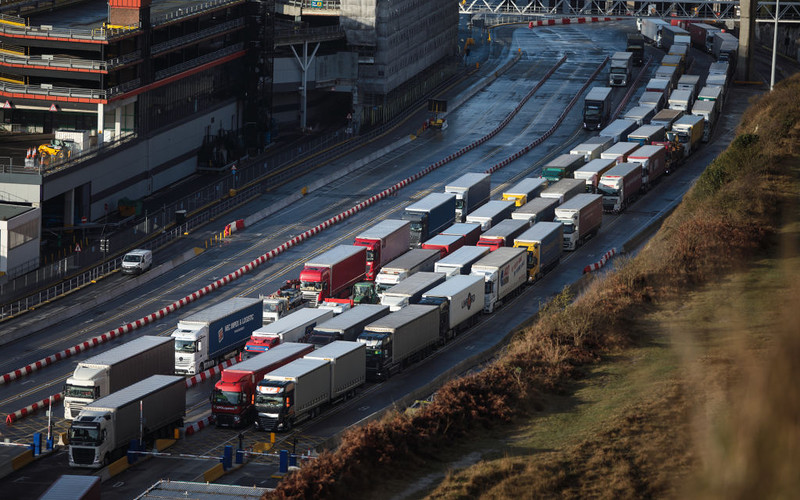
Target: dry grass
x,y
731,216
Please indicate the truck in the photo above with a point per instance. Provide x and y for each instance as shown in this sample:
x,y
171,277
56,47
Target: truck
x,y
688,130
635,45
460,261
73,487
561,167
726,47
459,300
281,303
666,117
301,389
589,151
669,73
646,134
597,108
719,68
702,35
620,68
654,99
105,428
671,35
337,306
537,210
708,110
711,93
410,290
525,190
404,266
115,369
582,217
232,396
620,151
471,231
592,171
620,186
491,213
618,130
543,244
652,30
503,234
333,273
348,325
691,83
444,243
653,160
564,189
471,191
717,80
660,85
681,100
681,50
207,337
295,327
385,241
429,216
640,114
503,272
399,339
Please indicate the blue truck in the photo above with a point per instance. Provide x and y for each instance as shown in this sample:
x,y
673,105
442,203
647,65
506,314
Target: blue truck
x,y
429,216
207,337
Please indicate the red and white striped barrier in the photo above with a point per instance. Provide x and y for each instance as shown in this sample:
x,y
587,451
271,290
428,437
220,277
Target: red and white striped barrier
x,y
198,426
600,263
13,417
215,370
234,226
572,20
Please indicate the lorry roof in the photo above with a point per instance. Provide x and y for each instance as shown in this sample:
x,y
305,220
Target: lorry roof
x,y
660,83
498,257
536,205
504,227
680,95
579,201
703,106
622,169
136,391
687,120
646,130
646,151
640,111
266,358
584,147
617,126
402,317
596,165
382,228
711,91
292,321
463,254
667,114
598,93
335,255
689,79
126,350
650,97
411,258
563,186
335,349
669,60
413,283
491,208
295,369
622,55
539,231
564,160
352,316
222,309
621,148
453,285
527,185
431,201
465,181
462,228
443,239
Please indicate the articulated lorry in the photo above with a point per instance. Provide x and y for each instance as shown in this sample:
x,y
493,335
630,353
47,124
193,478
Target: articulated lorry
x,y
620,186
212,335
620,69
561,167
232,396
445,243
669,73
429,216
471,191
646,134
681,100
687,130
491,213
726,47
652,99
666,117
385,241
348,325
582,217
564,189
404,266
709,111
671,35
333,273
104,429
713,93
660,86
543,246
115,369
654,163
282,302
537,210
702,35
503,272
640,114
410,290
460,261
689,82
592,171
301,389
652,30
503,234
620,151
471,231
635,45
459,300
589,151
618,130
295,327
597,108
525,190
399,339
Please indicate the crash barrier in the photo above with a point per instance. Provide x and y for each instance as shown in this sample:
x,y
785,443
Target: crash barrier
x,y
600,263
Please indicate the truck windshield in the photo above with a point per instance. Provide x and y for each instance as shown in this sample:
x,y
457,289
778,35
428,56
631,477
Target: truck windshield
x,y
361,292
607,190
225,397
568,227
185,345
683,137
459,203
592,112
270,307
619,70
311,285
84,436
269,400
75,391
416,227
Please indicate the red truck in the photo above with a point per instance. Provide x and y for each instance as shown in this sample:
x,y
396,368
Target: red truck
x,y
471,231
654,163
232,397
385,241
445,243
333,273
503,234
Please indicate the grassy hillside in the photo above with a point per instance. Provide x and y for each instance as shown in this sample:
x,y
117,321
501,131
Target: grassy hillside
x,y
739,212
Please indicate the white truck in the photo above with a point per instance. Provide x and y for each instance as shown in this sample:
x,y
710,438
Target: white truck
x,y
104,429
115,369
709,111
620,151
299,390
294,327
280,303
459,300
525,190
404,266
641,114
537,210
207,337
471,190
491,213
589,151
582,217
410,290
348,325
618,129
504,272
681,100
620,68
564,189
592,171
689,82
460,262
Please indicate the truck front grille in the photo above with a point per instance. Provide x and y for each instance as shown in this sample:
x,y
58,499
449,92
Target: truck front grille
x,y
83,456
267,423
311,298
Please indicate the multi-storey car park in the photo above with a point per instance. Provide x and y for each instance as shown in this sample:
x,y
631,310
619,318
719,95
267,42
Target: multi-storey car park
x,y
157,88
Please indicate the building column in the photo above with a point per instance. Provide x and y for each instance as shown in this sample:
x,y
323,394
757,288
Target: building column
x,y
117,122
747,27
304,65
100,111
69,208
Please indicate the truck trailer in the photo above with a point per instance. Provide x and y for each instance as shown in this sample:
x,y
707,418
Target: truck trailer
x,y
652,99
709,111
333,273
116,369
564,189
666,117
491,213
207,337
503,234
348,325
646,134
294,327
410,290
689,82
561,167
635,45
592,171
429,216
525,190
537,210
103,430
459,300
618,130
597,108
653,160
385,241
589,151
687,130
232,396
471,191
582,217
681,100
620,69
620,151
460,261
640,114
620,186
651,29
404,266
503,272
444,243
543,244
471,231
399,339
702,35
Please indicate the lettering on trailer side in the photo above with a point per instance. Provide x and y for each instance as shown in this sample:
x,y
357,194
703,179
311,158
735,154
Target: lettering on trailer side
x,y
468,301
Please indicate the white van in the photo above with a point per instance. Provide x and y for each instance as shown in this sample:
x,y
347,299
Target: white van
x,y
137,261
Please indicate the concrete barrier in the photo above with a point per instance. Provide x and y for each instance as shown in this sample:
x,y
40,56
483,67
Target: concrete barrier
x,y
213,473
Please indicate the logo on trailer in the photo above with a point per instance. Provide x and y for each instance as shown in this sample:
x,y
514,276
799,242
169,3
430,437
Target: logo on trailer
x,y
468,301
220,334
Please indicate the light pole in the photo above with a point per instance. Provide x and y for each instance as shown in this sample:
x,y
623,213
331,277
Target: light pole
x,y
774,46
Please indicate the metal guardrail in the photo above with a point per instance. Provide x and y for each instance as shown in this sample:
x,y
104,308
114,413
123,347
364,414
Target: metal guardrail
x,y
313,4
193,63
182,40
70,63
190,10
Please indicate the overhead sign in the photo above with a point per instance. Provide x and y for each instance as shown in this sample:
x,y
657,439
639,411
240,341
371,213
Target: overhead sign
x,y
53,107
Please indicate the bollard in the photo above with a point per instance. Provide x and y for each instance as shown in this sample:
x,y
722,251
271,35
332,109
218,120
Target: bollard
x,y
37,444
283,465
272,437
50,443
239,456
227,457
177,433
292,460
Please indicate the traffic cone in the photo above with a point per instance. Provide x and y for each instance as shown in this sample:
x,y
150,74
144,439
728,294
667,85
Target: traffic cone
x,y
28,155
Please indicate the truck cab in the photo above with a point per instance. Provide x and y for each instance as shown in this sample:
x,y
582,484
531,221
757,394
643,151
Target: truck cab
x,y
85,385
230,401
274,403
379,353
257,344
315,284
364,292
419,227
274,309
91,440
190,351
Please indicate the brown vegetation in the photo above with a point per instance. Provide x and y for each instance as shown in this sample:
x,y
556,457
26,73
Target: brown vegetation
x,y
731,216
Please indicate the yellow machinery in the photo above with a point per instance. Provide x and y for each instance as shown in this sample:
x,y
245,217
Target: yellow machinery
x,y
57,148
